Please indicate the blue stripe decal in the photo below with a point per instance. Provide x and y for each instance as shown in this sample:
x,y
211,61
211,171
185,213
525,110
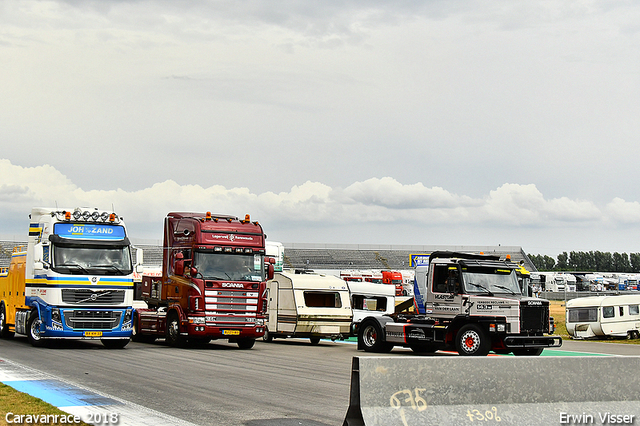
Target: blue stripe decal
x,y
60,394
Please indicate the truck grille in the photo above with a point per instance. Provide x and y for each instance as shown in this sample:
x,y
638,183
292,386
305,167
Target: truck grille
x,y
102,297
534,318
92,320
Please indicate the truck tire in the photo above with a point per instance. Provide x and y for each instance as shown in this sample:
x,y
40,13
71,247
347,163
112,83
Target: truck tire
x,y
370,336
4,327
115,343
173,336
33,330
136,335
472,341
245,343
267,337
528,351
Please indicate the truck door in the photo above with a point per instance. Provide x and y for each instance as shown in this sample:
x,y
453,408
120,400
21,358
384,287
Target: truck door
x,y
272,306
445,296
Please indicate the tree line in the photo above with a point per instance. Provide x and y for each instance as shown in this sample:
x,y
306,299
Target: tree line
x,y
594,261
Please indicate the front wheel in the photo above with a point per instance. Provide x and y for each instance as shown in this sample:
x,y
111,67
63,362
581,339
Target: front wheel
x,y
33,330
471,340
267,337
115,343
246,343
173,336
371,337
136,333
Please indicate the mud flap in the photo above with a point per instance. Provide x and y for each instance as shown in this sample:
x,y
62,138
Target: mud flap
x,y
414,391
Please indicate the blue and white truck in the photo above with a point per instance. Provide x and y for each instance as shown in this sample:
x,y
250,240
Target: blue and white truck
x,y
73,281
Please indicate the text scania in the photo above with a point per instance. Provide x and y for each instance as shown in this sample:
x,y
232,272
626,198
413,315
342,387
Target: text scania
x,y
11,418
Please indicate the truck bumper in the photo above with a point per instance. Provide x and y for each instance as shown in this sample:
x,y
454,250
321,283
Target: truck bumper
x,y
65,323
514,342
231,332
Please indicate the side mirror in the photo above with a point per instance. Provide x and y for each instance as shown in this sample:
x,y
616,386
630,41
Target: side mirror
x,y
270,271
38,257
139,260
179,264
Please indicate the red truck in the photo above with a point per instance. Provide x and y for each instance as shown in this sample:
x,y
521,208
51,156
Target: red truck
x,y
213,282
394,278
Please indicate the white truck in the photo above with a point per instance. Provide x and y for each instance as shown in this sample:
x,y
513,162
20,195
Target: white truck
x,y
604,316
276,250
73,281
307,305
470,303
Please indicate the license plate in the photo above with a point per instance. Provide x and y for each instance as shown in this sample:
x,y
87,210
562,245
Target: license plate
x,y
231,332
92,333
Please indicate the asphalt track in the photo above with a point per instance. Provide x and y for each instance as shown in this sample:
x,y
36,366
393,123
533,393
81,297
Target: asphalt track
x,y
285,383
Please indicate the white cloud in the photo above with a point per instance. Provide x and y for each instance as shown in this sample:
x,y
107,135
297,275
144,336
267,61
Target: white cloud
x,y
376,208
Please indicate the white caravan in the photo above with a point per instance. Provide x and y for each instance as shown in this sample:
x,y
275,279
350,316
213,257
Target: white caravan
x,y
312,306
600,316
370,299
559,281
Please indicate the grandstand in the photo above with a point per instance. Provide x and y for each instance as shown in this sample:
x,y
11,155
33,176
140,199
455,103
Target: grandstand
x,y
333,256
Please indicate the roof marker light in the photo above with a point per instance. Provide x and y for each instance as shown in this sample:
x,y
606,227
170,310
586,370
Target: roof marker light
x,y
112,217
67,215
208,216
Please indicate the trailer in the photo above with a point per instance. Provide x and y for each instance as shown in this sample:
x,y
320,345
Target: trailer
x,y
307,305
604,316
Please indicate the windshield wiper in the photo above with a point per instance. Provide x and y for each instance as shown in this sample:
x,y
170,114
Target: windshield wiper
x,y
505,288
110,266
75,265
482,287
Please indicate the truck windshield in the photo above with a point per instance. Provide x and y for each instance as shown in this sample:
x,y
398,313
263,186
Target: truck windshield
x,y
92,260
490,281
228,266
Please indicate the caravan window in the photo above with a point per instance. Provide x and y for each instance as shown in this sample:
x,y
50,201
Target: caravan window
x,y
369,303
608,312
583,315
324,299
633,310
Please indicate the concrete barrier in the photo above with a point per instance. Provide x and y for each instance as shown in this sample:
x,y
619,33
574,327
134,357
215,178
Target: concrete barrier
x,y
418,391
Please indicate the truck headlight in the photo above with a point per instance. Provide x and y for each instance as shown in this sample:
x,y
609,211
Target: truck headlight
x,y
55,315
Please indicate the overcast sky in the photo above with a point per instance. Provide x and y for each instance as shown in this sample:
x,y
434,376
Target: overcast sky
x,y
360,122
